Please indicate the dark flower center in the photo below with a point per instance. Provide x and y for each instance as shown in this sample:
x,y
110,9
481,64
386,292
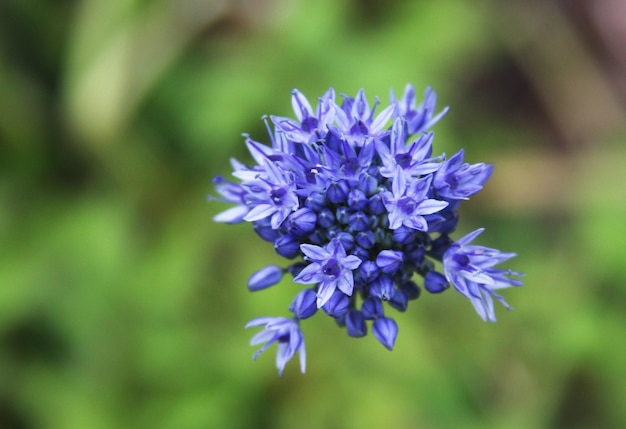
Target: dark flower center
x,y
277,195
331,267
462,260
407,205
404,160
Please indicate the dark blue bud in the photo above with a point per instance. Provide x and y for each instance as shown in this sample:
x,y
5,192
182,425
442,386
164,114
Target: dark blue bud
x,y
315,201
325,218
439,246
410,289
399,300
337,305
265,278
435,282
372,221
346,239
358,221
343,215
450,222
357,199
385,330
287,246
372,308
264,229
301,222
368,270
355,323
375,205
333,232
368,184
365,239
360,252
337,192
318,237
305,304
382,238
415,254
389,261
404,234
295,269
382,288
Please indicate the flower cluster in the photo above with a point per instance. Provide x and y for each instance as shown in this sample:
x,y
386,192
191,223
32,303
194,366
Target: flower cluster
x,y
360,204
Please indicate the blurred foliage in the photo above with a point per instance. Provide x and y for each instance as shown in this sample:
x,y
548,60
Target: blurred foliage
x,y
123,305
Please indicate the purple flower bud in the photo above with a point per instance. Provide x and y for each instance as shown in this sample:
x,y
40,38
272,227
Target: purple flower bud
x,y
360,252
318,237
366,239
382,288
264,229
368,184
337,192
385,330
337,305
389,261
435,282
399,300
375,205
301,222
315,201
358,221
287,246
325,218
343,215
355,323
305,304
368,271
404,235
295,269
372,309
357,199
439,246
265,278
410,289
347,240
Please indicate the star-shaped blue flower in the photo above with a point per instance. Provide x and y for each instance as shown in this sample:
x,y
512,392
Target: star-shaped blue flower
x,y
470,270
330,267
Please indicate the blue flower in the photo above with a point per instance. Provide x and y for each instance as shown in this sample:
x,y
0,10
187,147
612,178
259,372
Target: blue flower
x,y
330,267
353,197
286,333
470,270
408,202
457,180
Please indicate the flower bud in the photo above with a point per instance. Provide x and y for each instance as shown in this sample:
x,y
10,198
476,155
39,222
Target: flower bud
x,y
435,282
305,304
385,330
265,278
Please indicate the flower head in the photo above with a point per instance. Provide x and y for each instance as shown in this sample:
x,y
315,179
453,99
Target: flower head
x,y
352,195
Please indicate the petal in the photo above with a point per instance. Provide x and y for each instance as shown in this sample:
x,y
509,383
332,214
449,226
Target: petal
x,y
430,206
325,291
315,253
312,273
260,212
232,215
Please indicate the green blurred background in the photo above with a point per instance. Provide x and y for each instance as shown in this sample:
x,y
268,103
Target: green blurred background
x,y
122,304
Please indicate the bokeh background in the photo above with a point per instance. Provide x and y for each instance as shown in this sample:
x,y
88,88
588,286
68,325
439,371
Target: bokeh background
x,y
122,304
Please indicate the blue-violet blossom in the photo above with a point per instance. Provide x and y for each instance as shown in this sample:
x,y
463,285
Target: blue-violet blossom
x,y
355,198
